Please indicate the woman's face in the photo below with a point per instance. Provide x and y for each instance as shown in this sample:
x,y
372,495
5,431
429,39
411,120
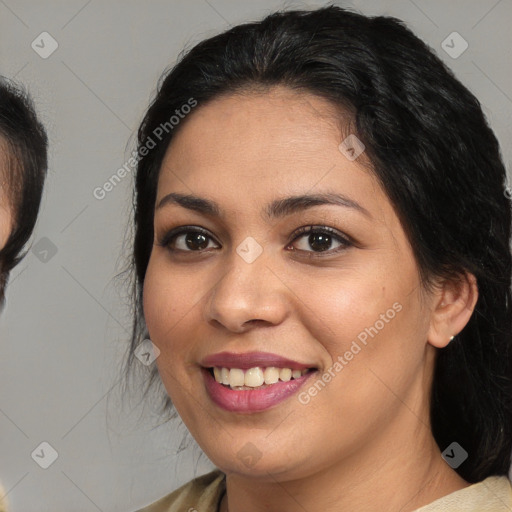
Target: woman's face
x,y
346,303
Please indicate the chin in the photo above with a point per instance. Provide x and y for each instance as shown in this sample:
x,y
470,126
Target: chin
x,y
252,462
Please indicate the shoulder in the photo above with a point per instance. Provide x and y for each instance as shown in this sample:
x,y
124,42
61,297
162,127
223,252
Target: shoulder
x,y
201,494
494,494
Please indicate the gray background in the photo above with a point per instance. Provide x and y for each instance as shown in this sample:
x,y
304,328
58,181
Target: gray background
x,y
66,325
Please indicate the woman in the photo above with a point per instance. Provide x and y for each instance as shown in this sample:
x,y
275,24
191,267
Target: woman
x,y
23,167
322,261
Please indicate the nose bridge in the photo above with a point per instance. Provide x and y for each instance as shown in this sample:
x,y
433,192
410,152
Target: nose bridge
x,y
247,289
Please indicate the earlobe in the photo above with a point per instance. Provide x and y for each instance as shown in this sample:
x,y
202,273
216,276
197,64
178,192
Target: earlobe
x,y
453,305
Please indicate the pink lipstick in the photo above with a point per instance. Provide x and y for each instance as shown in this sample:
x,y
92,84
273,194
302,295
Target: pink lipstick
x,y
259,394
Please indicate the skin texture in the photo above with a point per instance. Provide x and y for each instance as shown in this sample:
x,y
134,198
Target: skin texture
x,y
5,221
363,442
5,209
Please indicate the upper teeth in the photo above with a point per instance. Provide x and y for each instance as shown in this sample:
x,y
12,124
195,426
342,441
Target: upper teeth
x,y
255,377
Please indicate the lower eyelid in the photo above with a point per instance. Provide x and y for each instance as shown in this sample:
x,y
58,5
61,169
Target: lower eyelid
x,y
168,238
344,245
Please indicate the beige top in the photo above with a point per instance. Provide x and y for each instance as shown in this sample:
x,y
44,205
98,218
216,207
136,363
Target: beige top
x,y
204,493
3,500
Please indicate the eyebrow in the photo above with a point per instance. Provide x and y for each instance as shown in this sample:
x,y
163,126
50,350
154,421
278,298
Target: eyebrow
x,y
278,208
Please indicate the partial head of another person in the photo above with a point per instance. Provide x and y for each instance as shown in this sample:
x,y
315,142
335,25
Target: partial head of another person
x,y
23,168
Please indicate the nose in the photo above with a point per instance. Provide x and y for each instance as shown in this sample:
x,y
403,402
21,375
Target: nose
x,y
247,294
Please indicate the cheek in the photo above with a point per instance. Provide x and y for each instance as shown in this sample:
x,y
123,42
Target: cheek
x,y
154,302
164,300
340,309
162,310
171,303
373,322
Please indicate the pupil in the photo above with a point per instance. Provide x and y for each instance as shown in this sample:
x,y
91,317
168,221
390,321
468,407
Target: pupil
x,y
192,239
320,241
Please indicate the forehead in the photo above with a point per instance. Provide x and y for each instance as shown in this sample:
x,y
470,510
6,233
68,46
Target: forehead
x,y
243,148
260,125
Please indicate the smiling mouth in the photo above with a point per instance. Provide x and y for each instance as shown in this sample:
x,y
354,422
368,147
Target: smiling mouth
x,y
255,378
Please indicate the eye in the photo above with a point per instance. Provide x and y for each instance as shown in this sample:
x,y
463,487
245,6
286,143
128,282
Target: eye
x,y
193,239
320,239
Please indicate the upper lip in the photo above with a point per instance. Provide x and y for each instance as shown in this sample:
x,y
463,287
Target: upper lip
x,y
248,360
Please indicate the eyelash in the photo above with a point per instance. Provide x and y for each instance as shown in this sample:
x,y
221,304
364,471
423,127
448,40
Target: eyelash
x,y
345,242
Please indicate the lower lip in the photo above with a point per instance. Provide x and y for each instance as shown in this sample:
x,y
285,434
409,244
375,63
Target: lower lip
x,y
251,400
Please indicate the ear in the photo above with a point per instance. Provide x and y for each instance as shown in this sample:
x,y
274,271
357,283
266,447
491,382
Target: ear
x,y
452,307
